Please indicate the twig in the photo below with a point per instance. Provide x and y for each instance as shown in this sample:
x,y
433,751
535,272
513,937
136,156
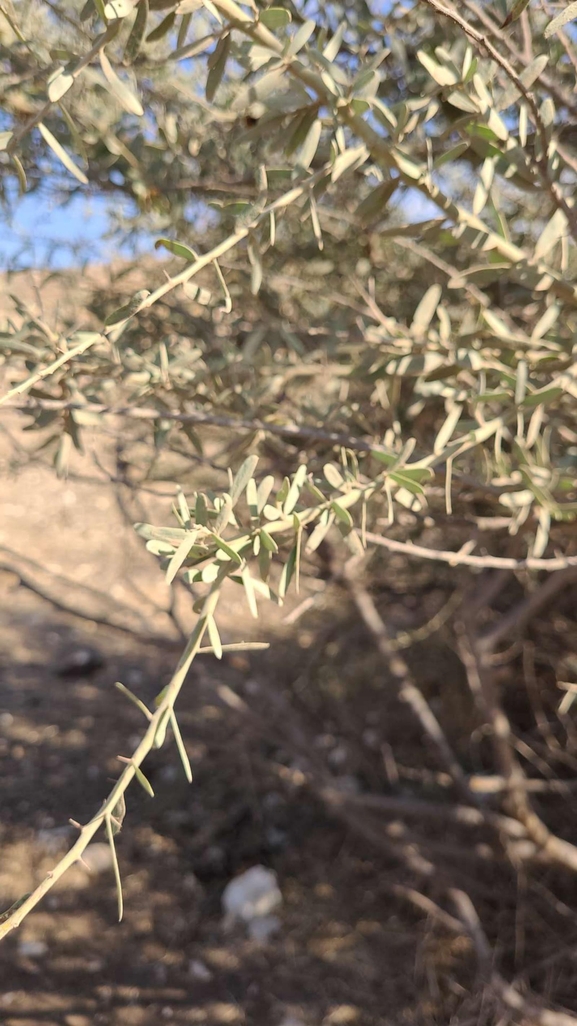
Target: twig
x,y
154,736
184,276
520,615
408,690
504,991
467,559
45,372
203,417
484,690
74,73
563,98
464,815
540,165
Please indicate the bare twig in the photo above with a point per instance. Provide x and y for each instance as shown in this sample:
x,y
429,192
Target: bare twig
x,y
521,614
408,690
506,993
484,690
467,559
154,736
540,165
204,417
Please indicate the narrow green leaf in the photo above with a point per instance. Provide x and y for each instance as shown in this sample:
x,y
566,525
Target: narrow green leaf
x,y
143,781
442,75
61,153
180,555
162,29
295,490
115,866
307,152
224,515
301,37
426,309
353,157
332,48
569,14
217,66
268,541
333,475
133,698
224,547
177,248
287,572
446,431
373,204
275,17
254,257
134,41
20,172
551,235
126,98
242,478
214,636
342,514
200,510
58,84
181,747
321,529
263,491
249,590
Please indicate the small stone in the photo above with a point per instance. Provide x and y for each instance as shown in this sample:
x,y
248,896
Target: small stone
x,y
198,970
252,895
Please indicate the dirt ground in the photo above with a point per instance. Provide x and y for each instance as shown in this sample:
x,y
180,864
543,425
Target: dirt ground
x,y
351,948
346,951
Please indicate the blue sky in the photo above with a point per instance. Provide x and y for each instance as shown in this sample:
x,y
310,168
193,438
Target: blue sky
x,y
39,233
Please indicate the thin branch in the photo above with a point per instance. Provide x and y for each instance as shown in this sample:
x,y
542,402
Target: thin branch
x,y
463,815
521,614
399,669
505,992
202,417
485,691
154,736
540,165
563,98
466,559
99,45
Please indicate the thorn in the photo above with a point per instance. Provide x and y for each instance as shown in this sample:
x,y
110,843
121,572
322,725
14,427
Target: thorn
x,y
75,824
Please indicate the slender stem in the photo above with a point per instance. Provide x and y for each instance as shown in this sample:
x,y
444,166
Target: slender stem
x,y
163,711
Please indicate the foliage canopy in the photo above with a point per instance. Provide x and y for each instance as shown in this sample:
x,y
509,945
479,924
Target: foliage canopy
x,y
369,214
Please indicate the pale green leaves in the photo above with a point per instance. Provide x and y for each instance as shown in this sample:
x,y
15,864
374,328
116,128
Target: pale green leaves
x,y
119,8
275,17
516,11
426,310
120,90
562,19
61,153
443,74
58,84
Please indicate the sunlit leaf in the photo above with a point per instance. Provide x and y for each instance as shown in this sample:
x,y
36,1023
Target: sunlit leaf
x,y
61,153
